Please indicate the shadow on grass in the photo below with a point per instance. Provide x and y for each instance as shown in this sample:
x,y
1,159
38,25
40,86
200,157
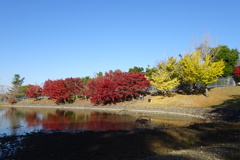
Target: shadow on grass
x,y
228,111
118,145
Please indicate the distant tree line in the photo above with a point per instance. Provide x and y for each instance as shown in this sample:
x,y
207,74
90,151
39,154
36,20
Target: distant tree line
x,y
204,65
110,88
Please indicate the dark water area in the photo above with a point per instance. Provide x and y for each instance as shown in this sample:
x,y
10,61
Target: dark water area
x,y
19,121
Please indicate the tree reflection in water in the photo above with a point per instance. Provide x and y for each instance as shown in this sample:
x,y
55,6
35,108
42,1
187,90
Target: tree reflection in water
x,y
49,120
20,121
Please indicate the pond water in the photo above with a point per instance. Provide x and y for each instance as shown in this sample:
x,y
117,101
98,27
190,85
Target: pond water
x,y
19,121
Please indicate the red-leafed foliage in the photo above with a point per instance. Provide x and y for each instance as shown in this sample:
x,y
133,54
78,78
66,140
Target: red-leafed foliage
x,y
46,88
34,91
236,71
61,90
116,86
75,85
57,90
129,83
102,91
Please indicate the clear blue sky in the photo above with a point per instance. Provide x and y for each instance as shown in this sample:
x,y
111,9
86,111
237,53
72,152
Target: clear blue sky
x,y
53,39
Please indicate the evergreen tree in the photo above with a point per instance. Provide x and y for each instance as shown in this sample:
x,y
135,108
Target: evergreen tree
x,y
17,82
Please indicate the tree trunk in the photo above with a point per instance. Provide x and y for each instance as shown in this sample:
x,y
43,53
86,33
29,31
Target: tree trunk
x,y
206,91
164,94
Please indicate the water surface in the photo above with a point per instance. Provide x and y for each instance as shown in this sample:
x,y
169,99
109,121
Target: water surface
x,y
19,121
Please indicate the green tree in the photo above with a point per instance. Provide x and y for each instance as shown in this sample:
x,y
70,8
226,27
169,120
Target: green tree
x,y
150,71
23,90
17,82
136,69
99,74
229,56
165,77
85,79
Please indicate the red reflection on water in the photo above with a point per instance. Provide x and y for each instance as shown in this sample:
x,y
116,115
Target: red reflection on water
x,y
32,119
54,122
63,120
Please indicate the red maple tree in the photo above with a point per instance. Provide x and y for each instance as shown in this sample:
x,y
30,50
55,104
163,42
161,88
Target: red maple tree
x,y
46,88
116,86
62,90
57,90
102,91
236,71
34,91
75,85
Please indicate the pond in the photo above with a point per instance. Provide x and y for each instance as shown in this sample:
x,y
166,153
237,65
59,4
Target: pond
x,y
19,121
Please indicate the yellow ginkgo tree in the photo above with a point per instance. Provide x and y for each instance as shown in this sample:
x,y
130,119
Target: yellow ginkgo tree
x,y
189,65
194,68
210,71
165,77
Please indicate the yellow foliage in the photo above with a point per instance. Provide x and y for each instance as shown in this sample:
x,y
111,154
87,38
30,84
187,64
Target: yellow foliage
x,y
210,71
194,69
189,67
165,77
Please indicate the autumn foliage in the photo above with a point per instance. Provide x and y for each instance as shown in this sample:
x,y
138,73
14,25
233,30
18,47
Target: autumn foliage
x,y
34,91
236,71
116,87
113,87
62,90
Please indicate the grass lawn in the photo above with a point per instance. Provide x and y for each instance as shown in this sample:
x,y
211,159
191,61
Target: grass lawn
x,y
218,97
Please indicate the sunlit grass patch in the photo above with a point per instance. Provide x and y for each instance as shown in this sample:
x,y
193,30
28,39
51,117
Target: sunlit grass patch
x,y
217,96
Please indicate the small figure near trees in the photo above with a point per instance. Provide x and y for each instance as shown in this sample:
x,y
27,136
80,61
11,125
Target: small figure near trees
x,y
141,96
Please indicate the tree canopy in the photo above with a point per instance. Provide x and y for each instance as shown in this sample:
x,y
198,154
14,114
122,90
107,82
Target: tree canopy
x,y
230,58
116,86
34,91
165,77
136,69
195,68
17,82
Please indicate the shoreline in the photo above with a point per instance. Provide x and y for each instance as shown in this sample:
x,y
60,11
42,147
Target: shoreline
x,y
190,142
199,113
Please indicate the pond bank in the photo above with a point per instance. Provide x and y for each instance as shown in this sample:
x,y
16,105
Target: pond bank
x,y
200,113
216,137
